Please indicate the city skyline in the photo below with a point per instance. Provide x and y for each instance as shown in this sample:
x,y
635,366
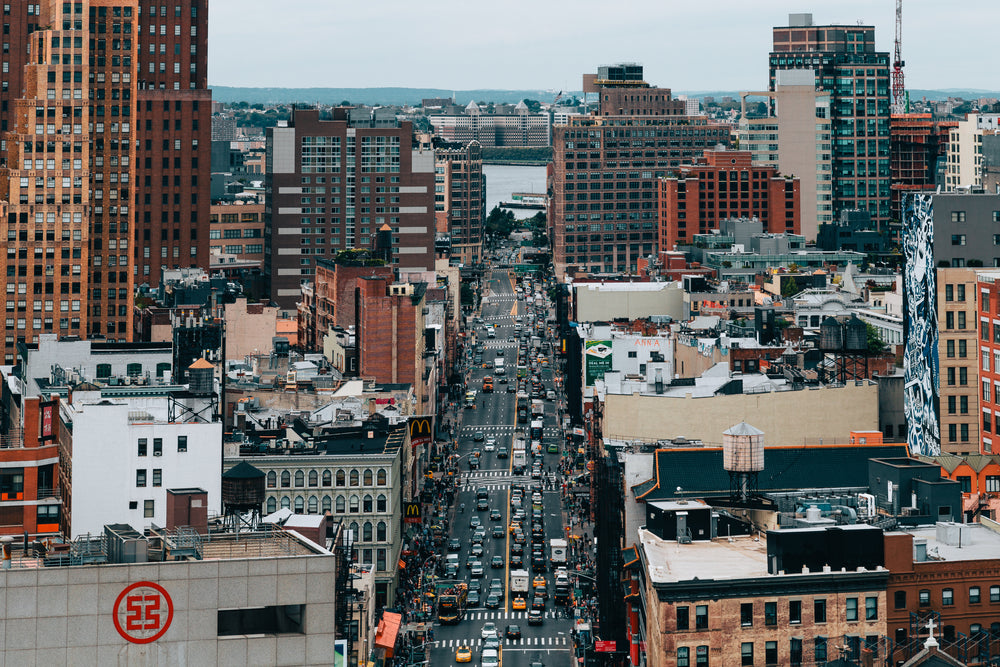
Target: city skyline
x,y
553,47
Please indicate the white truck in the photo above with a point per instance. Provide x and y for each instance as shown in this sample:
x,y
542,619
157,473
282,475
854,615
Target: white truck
x,y
558,552
520,582
498,367
519,457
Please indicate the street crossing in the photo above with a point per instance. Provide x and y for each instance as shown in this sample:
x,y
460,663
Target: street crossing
x,y
475,642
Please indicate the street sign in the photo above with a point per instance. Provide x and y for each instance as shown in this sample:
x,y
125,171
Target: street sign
x,y
605,646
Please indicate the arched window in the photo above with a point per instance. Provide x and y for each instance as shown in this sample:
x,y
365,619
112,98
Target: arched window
x,y
103,371
353,504
285,502
327,478
366,534
340,478
134,370
313,478
366,506
299,504
161,368
355,531
368,477
380,531
272,505
300,478
354,478
381,477
327,503
313,504
272,479
380,503
341,504
286,479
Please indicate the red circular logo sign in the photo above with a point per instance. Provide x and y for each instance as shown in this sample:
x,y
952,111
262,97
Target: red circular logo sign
x,y
143,612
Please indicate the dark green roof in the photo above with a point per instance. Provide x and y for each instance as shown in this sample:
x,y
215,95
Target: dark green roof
x,y
243,470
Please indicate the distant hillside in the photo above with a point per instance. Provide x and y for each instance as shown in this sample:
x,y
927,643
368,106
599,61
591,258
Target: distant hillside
x,y
373,96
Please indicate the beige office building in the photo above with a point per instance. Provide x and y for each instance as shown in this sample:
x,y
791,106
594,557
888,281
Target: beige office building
x,y
796,140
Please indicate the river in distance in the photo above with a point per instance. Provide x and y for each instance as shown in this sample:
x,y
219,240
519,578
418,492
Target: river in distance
x,y
502,180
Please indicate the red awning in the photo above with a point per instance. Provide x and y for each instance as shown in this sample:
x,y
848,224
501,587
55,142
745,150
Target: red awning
x,y
388,632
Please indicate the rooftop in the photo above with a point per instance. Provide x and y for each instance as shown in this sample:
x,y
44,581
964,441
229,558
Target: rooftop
x,y
979,541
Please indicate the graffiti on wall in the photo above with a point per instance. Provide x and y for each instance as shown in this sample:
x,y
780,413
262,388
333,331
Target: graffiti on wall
x,y
920,329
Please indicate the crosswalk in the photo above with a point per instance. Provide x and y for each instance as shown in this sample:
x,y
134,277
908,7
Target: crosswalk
x,y
505,615
476,642
488,428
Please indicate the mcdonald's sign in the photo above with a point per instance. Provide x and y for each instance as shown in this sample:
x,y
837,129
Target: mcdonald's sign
x,y
421,431
411,513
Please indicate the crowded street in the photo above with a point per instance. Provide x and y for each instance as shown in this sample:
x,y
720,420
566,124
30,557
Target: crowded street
x,y
500,570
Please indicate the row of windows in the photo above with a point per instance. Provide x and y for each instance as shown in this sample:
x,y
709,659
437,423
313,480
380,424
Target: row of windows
x,y
947,597
380,477
770,618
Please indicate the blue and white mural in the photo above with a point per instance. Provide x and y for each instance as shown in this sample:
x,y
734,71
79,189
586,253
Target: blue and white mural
x,y
920,329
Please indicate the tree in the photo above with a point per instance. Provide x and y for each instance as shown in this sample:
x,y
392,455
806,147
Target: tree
x,y
790,287
468,296
534,106
875,343
500,222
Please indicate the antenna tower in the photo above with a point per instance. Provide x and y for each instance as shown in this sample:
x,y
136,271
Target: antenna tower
x,y
899,104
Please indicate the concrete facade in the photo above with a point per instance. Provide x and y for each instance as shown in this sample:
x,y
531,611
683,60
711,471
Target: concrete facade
x,y
249,329
786,417
603,302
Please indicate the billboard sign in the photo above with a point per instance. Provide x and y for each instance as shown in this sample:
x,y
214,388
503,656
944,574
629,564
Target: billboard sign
x,y
597,356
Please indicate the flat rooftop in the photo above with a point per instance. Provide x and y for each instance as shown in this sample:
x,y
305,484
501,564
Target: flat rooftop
x,y
978,542
670,562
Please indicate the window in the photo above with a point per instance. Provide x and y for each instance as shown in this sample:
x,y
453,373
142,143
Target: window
x,y
313,478
274,620
313,504
795,651
992,483
701,656
958,239
994,593
958,216
300,504
272,505
147,509
142,447
140,478
770,613
381,477
683,656
701,617
157,477
746,614
157,446
366,504
949,290
965,482
380,560
947,597
103,371
340,478
924,597
340,504
899,599
355,477
300,478
380,503
795,611
960,291
746,653
272,479
771,653
380,531
353,504
819,652
286,479
852,609
974,596
368,477
683,618
133,370
819,611
182,443
327,478
871,608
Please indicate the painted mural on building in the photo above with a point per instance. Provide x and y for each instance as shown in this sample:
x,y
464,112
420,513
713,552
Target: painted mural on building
x,y
920,360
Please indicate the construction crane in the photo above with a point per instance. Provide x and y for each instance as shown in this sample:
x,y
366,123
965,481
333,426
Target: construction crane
x,y
899,103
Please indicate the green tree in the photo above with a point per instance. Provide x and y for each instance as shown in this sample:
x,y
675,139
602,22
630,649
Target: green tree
x,y
790,287
468,296
875,343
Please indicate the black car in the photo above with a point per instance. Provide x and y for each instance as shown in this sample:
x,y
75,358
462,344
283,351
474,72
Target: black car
x,y
538,603
493,601
454,544
511,389
498,532
517,562
502,453
472,600
534,616
538,564
516,549
482,505
495,515
513,631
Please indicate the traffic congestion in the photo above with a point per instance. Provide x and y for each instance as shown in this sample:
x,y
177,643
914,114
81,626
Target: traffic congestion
x,y
502,573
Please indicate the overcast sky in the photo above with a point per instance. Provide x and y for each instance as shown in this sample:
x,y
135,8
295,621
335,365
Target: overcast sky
x,y
548,44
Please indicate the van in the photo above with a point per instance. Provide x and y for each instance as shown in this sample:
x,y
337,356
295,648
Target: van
x,y
490,658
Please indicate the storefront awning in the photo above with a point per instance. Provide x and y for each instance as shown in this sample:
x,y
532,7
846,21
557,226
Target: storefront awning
x,y
388,632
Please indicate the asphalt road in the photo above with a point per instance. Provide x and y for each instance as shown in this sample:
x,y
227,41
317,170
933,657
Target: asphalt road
x,y
495,417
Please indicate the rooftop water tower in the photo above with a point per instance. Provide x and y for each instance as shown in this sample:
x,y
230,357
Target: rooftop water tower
x,y
243,491
743,459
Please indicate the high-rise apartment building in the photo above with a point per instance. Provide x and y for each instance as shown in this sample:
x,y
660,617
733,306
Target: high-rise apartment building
x,y
602,212
174,138
919,144
724,184
70,166
856,76
460,199
331,184
796,139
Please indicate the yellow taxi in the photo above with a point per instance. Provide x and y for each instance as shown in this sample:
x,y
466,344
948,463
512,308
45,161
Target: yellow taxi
x,y
519,604
538,581
514,526
463,654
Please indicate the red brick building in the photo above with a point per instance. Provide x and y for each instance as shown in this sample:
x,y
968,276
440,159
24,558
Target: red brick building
x,y
174,138
331,300
725,184
988,307
916,142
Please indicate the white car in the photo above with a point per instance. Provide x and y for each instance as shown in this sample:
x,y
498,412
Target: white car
x,y
491,445
489,630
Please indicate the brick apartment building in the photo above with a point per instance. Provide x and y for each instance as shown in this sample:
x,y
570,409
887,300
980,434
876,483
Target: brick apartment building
x,y
331,184
856,76
460,199
74,237
987,299
917,143
237,228
622,91
725,184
